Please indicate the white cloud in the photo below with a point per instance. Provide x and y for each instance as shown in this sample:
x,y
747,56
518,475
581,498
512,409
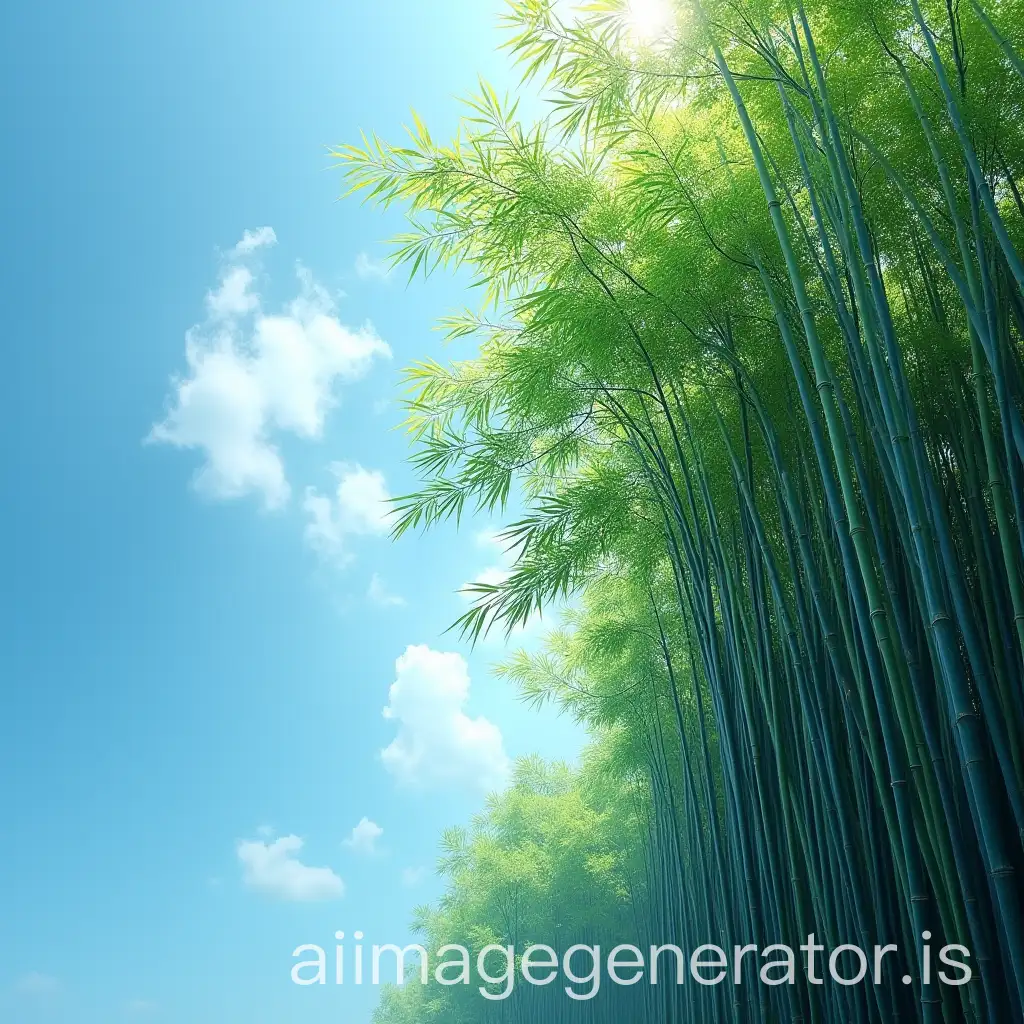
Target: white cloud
x,y
438,744
368,268
490,537
495,575
379,594
254,376
364,837
492,576
274,868
253,240
234,297
411,877
359,507
363,499
37,985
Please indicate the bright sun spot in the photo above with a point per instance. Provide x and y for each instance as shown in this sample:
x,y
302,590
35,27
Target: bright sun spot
x,y
649,20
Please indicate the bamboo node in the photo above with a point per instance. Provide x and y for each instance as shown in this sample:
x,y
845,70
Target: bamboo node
x,y
1004,871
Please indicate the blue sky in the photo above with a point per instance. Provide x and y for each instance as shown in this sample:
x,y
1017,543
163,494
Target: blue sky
x,y
200,633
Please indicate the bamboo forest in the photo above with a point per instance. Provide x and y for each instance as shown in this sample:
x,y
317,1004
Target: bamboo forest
x,y
747,395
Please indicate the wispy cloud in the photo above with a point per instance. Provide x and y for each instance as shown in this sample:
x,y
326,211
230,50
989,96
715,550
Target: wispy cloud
x,y
495,574
253,377
252,240
36,984
358,507
492,576
489,540
411,877
364,837
378,594
274,868
369,269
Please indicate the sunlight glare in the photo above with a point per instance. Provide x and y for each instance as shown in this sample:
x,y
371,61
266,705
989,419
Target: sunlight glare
x,y
649,20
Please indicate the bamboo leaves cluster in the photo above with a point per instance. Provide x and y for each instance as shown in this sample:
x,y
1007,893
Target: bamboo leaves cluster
x,y
752,350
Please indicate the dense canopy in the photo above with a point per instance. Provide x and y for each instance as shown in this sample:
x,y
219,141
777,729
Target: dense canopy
x,y
751,349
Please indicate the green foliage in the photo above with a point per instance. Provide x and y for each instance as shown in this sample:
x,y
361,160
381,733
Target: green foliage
x,y
549,861
750,345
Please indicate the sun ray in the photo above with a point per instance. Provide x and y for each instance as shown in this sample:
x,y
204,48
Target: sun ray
x,y
649,21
